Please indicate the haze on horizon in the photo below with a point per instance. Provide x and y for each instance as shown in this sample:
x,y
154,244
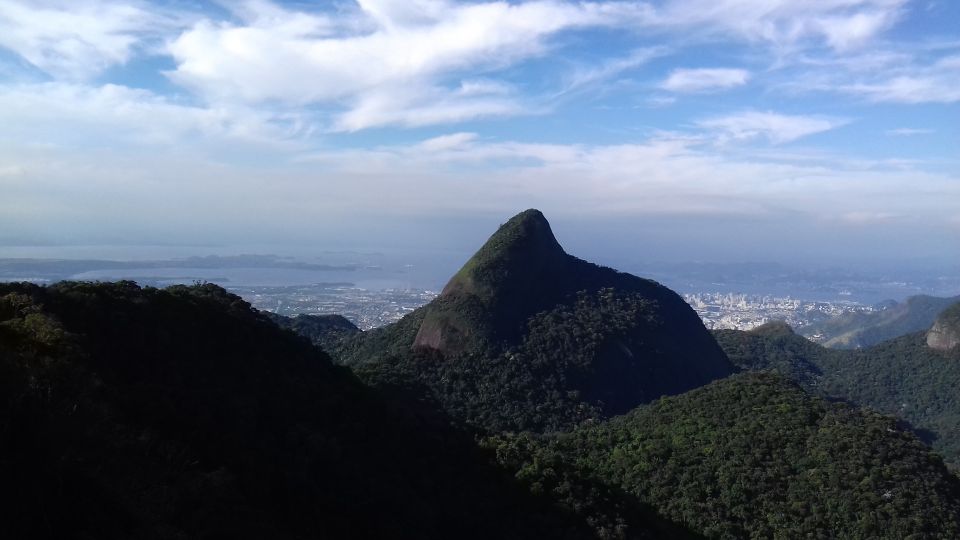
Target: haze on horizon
x,y
806,132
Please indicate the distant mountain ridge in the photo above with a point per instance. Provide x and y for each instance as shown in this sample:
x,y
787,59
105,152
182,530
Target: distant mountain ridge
x,y
855,330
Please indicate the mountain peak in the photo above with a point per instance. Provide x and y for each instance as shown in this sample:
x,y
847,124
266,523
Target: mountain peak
x,y
522,245
530,217
945,333
510,276
527,227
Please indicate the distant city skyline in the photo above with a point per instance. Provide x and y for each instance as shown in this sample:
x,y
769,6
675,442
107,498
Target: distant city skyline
x,y
762,130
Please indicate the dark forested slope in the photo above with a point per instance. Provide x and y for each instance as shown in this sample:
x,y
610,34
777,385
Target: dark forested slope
x,y
183,413
324,331
130,412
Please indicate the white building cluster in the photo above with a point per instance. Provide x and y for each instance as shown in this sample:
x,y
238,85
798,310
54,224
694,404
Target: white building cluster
x,y
744,311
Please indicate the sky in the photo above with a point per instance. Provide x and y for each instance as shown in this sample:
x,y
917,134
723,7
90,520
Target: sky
x,y
784,130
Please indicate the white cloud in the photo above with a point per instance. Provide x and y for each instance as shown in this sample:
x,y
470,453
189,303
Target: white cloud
x,y
908,132
368,63
705,80
270,59
866,218
447,142
151,163
849,31
585,76
475,87
112,116
937,83
904,77
841,24
777,128
387,63
363,62
236,154
656,176
77,39
414,106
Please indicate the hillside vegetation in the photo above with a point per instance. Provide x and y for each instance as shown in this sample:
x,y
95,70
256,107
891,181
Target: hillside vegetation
x,y
752,456
903,377
183,413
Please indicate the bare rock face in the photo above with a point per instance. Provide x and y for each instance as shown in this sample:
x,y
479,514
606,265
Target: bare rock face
x,y
945,333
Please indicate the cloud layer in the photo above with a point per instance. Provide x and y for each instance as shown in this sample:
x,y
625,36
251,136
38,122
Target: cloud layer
x,y
134,115
78,39
390,63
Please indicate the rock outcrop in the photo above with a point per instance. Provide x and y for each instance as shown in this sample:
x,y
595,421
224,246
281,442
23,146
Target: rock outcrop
x,y
945,333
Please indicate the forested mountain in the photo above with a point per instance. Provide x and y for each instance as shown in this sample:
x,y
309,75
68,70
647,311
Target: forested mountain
x,y
525,336
858,330
752,456
133,412
324,331
183,413
129,412
903,376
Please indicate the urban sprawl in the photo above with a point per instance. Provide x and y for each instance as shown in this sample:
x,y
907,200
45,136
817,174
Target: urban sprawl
x,y
372,308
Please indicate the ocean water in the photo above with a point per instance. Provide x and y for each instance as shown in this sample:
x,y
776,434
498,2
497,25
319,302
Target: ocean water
x,y
373,269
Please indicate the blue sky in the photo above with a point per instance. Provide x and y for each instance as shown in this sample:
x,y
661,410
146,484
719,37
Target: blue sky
x,y
711,129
